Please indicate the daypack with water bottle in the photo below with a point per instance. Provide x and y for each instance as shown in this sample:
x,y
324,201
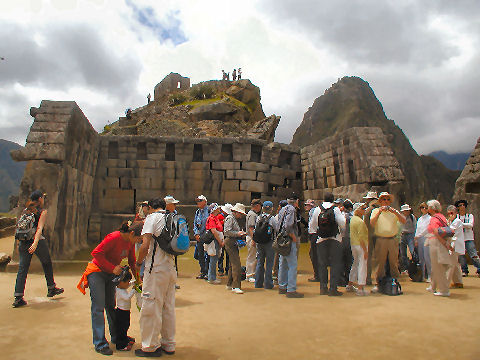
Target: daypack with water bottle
x,y
389,286
174,237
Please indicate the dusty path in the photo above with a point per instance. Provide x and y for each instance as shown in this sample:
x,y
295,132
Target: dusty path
x,y
213,323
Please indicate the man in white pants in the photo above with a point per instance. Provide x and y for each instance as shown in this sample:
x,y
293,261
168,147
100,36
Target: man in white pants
x,y
251,262
157,316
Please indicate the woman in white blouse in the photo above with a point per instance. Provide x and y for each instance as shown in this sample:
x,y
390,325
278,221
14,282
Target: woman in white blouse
x,y
420,236
454,273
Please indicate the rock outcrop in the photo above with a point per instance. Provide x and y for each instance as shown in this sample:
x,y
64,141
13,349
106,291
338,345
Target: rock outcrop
x,y
468,187
352,103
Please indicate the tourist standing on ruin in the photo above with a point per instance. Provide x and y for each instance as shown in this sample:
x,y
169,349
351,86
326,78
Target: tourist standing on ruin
x,y
233,232
199,229
234,75
420,242
34,244
439,250
239,74
359,245
310,208
215,226
385,221
468,222
148,98
371,202
265,228
251,262
454,275
327,224
157,317
287,271
408,236
99,274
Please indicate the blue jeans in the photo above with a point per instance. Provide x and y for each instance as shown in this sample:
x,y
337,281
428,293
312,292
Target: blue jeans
x,y
408,239
24,263
424,257
287,272
202,258
212,263
263,275
102,293
472,252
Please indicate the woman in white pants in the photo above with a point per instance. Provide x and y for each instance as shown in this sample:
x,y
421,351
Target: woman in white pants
x,y
359,245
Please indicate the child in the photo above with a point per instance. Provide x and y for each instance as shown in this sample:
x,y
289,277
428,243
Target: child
x,y
122,313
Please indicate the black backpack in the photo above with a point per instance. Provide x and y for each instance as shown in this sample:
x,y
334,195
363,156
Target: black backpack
x,y
414,269
327,226
263,232
389,286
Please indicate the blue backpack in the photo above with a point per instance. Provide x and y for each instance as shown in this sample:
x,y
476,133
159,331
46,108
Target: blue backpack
x,y
174,237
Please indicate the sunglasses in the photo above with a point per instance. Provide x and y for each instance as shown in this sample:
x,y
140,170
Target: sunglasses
x,y
423,207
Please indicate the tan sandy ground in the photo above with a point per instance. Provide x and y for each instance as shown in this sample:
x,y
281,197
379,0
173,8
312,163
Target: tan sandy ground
x,y
213,323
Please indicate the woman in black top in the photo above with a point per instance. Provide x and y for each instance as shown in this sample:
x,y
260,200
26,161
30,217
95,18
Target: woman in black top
x,y
37,246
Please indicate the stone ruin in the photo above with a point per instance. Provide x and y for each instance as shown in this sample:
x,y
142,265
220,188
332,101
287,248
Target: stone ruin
x,y
468,187
95,181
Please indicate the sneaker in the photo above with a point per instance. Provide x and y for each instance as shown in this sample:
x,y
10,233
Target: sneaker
x,y
105,351
201,276
430,289
351,288
362,292
294,294
141,353
251,279
334,292
404,272
282,291
167,352
323,291
374,289
54,291
437,293
126,348
428,280
465,274
215,282
228,287
19,301
313,280
237,291
177,287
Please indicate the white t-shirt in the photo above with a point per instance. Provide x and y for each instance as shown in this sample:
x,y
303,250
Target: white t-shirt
x,y
124,298
154,223
339,218
458,238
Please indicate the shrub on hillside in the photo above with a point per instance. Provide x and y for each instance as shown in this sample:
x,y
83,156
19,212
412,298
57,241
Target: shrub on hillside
x,y
176,99
203,91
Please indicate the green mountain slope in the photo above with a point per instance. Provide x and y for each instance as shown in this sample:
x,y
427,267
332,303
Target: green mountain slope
x,y
11,173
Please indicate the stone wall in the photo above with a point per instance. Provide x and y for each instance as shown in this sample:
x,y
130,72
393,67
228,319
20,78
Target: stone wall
x,y
349,164
137,168
173,82
468,187
62,152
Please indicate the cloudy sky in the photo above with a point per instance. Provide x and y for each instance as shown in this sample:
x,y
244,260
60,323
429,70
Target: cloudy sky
x,y
422,58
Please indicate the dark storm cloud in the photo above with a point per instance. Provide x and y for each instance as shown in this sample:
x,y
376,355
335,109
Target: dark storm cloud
x,y
399,48
67,55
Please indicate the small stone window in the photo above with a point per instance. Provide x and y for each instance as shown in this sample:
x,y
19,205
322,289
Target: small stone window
x,y
170,152
351,172
285,159
227,152
197,153
256,153
113,150
141,151
473,188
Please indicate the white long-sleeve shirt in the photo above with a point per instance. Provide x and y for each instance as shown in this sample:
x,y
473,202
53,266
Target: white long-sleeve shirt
x,y
458,237
124,298
468,221
339,218
422,225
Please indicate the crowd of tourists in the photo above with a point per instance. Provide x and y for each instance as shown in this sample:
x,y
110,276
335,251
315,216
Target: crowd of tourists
x,y
351,241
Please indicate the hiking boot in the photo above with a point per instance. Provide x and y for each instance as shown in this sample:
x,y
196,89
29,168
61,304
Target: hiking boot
x,y
313,280
323,291
334,292
294,294
141,353
282,291
54,291
19,301
105,351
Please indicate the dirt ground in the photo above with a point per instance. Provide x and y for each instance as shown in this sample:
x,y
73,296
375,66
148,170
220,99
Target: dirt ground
x,y
213,323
